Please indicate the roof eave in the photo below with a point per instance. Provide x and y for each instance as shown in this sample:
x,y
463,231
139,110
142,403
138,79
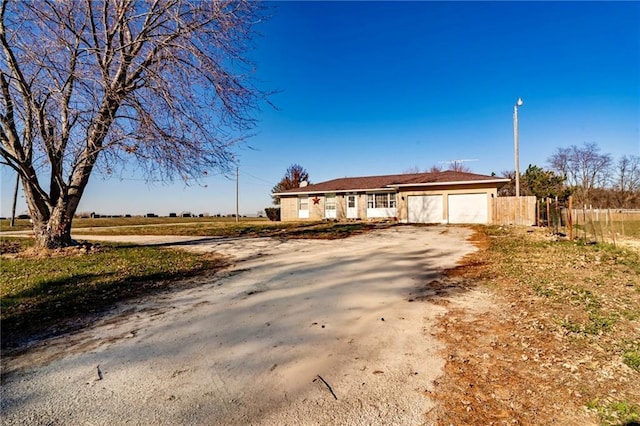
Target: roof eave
x,y
466,182
332,191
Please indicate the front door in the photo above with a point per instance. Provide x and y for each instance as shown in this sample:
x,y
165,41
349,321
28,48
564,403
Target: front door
x,y
352,206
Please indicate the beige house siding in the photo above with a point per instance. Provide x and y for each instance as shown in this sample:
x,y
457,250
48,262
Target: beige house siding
x,y
362,206
341,207
316,211
288,208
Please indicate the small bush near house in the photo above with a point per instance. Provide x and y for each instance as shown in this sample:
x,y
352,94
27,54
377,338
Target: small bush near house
x,y
273,213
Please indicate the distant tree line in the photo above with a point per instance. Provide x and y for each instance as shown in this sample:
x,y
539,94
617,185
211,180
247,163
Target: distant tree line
x,y
590,176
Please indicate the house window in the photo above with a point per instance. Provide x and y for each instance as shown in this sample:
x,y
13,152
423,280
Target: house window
x,y
381,201
351,201
330,206
330,202
303,207
303,203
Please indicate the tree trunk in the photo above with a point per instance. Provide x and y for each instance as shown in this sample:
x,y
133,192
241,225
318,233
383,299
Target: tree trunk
x,y
54,232
51,219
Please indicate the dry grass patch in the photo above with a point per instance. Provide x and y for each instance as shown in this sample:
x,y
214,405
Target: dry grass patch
x,y
562,345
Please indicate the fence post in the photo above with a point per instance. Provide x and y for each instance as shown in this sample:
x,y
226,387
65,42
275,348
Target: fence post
x,y
593,223
570,218
584,221
613,231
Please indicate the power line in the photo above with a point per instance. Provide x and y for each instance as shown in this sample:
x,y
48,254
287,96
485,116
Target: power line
x,y
258,178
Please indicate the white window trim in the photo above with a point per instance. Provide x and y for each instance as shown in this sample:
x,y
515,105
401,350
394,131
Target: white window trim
x,y
372,198
303,213
330,202
380,211
330,206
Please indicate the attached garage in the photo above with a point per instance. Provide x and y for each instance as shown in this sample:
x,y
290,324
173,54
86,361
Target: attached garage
x,y
468,208
425,208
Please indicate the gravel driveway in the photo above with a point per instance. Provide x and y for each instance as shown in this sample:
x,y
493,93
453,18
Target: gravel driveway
x,y
268,342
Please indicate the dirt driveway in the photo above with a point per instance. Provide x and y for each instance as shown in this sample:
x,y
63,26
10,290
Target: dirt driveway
x,y
269,342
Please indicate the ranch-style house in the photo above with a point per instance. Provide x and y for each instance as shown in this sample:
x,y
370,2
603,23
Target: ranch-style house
x,y
439,197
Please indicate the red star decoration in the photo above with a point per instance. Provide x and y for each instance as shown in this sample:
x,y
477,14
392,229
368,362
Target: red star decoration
x,y
316,200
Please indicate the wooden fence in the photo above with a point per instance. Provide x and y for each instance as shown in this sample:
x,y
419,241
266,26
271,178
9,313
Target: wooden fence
x,y
601,225
514,211
589,224
610,225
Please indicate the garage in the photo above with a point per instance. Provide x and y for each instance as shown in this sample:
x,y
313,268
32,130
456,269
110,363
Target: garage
x,y
425,208
468,208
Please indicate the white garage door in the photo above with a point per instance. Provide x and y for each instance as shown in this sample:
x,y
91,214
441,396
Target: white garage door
x,y
468,208
425,208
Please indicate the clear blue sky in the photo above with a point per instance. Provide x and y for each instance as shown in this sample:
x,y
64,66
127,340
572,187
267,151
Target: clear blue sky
x,y
372,88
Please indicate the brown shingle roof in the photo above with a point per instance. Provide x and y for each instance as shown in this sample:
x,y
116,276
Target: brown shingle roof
x,y
378,182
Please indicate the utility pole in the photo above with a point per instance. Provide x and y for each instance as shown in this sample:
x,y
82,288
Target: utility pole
x,y
515,143
237,209
15,199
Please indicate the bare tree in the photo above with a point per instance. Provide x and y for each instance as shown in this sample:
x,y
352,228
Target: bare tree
x,y
627,180
584,168
508,190
90,85
411,170
456,166
436,168
292,178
